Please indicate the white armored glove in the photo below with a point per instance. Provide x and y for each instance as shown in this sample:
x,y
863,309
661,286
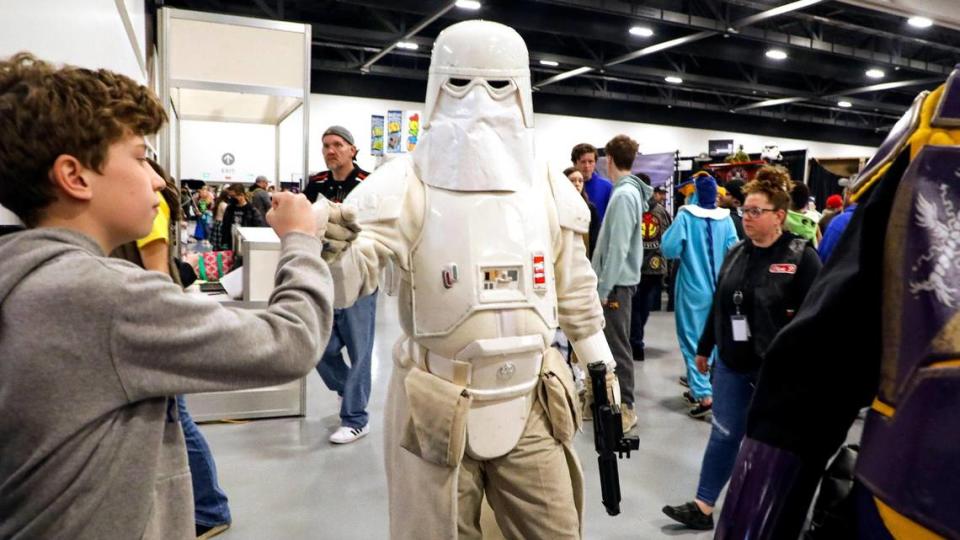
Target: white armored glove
x,y
595,349
339,227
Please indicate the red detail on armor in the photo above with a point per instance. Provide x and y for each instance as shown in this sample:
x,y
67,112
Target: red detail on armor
x,y
539,272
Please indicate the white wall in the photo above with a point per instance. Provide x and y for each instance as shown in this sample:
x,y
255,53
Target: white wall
x,y
555,135
88,33
291,147
203,144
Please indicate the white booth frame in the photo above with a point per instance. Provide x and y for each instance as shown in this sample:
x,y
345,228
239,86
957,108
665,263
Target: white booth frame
x,y
257,402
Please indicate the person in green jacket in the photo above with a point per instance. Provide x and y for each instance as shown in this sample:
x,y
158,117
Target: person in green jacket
x,y
797,221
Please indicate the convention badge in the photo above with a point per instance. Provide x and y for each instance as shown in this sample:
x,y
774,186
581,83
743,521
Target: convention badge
x,y
741,330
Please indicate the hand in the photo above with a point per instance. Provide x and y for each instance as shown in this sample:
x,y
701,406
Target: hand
x,y
703,364
291,213
342,229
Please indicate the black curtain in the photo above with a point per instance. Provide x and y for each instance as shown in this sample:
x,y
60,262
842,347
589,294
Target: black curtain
x,y
822,183
794,160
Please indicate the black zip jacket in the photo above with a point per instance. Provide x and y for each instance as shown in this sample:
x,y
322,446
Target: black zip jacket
x,y
773,282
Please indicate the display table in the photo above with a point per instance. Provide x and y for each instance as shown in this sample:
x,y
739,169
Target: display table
x,y
259,249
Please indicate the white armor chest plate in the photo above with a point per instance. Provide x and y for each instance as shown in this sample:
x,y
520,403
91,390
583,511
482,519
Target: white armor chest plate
x,y
481,251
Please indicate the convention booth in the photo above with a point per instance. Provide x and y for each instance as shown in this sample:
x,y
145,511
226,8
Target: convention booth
x,y
237,91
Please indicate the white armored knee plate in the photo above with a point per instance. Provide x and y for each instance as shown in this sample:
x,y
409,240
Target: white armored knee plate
x,y
478,118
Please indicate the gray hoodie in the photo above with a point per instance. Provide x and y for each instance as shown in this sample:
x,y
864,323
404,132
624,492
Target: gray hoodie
x,y
92,348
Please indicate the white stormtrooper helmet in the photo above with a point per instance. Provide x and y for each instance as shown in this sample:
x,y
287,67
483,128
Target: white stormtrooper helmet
x,y
481,52
478,117
771,153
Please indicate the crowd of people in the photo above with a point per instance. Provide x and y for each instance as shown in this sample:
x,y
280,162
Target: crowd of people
x,y
738,260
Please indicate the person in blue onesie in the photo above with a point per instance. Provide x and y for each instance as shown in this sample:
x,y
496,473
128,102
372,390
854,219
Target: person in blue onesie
x,y
700,237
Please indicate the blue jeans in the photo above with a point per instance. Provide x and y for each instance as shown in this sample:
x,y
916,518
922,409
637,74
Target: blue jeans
x,y
732,392
353,328
209,501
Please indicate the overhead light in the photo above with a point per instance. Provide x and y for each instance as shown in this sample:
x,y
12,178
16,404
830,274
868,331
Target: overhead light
x,y
920,22
409,45
876,73
468,4
673,80
776,54
641,31
550,63
845,104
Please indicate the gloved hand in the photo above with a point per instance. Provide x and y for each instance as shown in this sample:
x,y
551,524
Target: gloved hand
x,y
340,228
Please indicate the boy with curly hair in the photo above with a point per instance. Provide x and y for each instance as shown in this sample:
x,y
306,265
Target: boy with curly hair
x,y
93,349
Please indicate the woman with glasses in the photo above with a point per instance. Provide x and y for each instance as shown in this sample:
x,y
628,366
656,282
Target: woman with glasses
x,y
762,283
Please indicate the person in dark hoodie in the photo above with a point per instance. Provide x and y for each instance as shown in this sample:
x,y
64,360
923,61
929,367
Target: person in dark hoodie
x,y
93,348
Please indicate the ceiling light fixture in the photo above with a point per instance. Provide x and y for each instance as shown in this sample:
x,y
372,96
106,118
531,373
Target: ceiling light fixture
x,y
876,73
776,54
920,22
673,80
844,104
550,63
408,45
468,4
641,31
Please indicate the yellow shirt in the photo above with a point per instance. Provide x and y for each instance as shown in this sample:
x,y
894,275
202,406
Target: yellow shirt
x,y
161,225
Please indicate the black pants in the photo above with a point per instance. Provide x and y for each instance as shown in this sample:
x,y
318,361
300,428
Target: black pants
x,y
617,314
647,295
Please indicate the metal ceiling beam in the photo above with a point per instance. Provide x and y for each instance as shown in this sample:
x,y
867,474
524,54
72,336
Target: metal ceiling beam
x,y
943,12
771,13
844,93
886,86
624,71
843,25
683,40
771,37
365,68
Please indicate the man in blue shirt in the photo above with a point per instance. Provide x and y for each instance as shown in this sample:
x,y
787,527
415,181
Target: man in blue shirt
x,y
835,230
597,188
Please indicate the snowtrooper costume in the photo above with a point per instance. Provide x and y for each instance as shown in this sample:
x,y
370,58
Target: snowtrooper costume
x,y
488,250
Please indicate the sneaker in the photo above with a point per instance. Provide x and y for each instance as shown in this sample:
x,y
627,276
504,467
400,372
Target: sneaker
x,y
689,515
638,354
628,417
690,399
684,381
204,532
345,434
700,411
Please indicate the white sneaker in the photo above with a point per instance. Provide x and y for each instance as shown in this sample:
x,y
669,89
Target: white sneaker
x,y
344,434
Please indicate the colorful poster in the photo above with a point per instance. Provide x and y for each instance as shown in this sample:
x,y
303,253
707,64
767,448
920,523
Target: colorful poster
x,y
394,132
412,129
376,135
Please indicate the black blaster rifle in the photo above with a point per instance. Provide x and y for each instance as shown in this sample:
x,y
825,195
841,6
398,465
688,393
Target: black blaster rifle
x,y
608,438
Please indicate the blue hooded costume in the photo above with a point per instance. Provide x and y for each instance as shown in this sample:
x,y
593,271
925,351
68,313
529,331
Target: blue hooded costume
x,y
700,238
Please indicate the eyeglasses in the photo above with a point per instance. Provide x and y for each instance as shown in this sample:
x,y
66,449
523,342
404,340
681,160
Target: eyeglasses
x,y
756,211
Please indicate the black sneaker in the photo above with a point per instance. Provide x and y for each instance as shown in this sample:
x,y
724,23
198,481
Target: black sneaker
x,y
700,410
689,515
690,399
684,382
638,355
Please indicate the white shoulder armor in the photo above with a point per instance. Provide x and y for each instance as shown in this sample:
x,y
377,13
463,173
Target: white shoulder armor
x,y
380,196
571,208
